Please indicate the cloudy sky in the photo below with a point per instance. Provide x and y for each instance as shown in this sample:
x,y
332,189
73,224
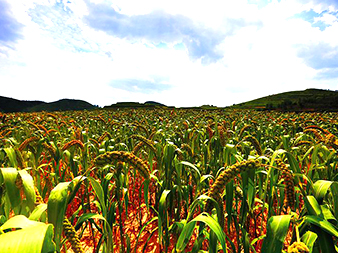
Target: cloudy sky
x,y
181,53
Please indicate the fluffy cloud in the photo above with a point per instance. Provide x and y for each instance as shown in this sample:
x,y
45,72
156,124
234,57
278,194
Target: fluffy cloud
x,y
320,56
178,53
142,86
157,27
9,27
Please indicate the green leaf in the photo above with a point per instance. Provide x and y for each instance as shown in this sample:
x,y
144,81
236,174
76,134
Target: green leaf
x,y
312,206
139,234
32,237
229,202
185,235
277,228
334,191
37,212
189,228
327,214
17,222
322,224
321,188
309,238
28,186
87,216
294,164
162,214
10,152
195,203
193,167
56,208
75,186
13,193
106,227
146,192
99,193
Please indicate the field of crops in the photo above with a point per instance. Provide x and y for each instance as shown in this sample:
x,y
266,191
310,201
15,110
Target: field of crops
x,y
168,181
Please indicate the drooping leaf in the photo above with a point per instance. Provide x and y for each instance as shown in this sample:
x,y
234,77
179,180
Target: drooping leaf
x,y
189,228
322,224
99,193
32,237
106,227
10,152
309,238
56,208
277,228
13,193
37,212
28,186
312,206
327,214
193,167
321,188
142,229
334,191
162,213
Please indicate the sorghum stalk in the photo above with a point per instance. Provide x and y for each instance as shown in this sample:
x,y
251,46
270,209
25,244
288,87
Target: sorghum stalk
x,y
146,141
317,128
254,142
221,132
50,149
187,148
138,163
316,133
72,237
298,247
19,158
331,140
103,136
300,143
24,144
243,129
73,143
289,184
227,175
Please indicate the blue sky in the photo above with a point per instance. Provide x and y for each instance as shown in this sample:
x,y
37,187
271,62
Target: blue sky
x,y
181,53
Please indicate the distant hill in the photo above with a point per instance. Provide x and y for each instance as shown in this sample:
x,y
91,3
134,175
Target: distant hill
x,y
305,100
148,104
15,105
62,105
153,103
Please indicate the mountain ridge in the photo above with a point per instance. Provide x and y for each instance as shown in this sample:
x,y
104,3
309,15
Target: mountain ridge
x,y
8,105
301,100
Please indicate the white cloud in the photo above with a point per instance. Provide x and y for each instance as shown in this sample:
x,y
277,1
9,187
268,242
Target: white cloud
x,y
259,46
328,19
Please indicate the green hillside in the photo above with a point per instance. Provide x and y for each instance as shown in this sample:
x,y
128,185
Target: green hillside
x,y
15,105
62,105
307,100
148,104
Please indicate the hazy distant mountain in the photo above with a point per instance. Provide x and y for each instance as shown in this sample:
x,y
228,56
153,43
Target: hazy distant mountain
x,y
15,105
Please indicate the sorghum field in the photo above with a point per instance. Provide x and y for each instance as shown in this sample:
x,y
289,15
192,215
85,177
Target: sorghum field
x,y
168,181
